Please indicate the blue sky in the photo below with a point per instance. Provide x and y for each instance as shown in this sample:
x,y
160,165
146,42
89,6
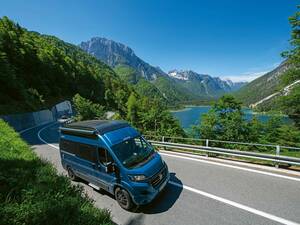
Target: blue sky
x,y
239,39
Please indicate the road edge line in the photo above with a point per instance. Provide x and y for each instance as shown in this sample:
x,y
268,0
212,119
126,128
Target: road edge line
x,y
232,166
235,204
29,128
41,139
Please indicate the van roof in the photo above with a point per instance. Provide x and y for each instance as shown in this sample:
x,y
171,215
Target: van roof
x,y
100,126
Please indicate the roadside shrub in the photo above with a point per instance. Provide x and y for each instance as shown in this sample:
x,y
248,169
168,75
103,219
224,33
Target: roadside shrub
x,y
86,109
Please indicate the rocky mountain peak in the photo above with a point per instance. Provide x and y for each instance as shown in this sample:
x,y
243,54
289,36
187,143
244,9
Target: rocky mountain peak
x,y
115,53
206,81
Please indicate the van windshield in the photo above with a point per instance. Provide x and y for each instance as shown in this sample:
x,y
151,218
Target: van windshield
x,y
133,152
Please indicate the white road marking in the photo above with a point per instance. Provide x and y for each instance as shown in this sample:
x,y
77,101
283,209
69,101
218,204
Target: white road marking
x,y
235,204
238,163
22,131
232,166
41,139
208,195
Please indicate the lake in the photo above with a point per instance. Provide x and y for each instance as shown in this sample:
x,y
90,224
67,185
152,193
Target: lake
x,y
191,115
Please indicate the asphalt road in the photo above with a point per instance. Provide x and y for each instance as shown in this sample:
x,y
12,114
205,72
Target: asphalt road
x,y
200,191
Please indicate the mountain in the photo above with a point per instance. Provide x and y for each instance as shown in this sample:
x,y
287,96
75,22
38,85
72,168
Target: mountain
x,y
235,86
203,84
152,81
262,86
114,54
147,79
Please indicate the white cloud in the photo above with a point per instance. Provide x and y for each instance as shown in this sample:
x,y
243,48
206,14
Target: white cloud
x,y
245,77
251,75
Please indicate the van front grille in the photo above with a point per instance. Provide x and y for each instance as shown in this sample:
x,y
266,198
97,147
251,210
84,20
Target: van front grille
x,y
159,177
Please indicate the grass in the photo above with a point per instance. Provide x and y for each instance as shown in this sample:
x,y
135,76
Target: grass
x,y
31,192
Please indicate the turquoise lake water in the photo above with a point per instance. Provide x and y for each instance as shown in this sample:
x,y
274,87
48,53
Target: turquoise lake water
x,y
191,115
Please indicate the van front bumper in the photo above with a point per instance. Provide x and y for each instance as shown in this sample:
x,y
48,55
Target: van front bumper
x,y
147,193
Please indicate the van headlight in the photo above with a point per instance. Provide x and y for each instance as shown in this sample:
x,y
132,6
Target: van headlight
x,y
137,177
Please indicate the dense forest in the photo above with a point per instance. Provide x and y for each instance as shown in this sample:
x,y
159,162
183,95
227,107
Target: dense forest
x,y
139,83
38,71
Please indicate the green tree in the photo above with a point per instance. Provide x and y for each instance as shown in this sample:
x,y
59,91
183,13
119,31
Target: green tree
x,y
290,104
294,54
225,121
132,109
269,130
86,109
152,116
288,135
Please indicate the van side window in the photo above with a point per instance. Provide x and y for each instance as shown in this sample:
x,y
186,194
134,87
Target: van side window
x,y
68,146
87,152
104,156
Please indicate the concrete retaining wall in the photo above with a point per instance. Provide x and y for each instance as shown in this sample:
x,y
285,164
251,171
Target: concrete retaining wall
x,y
26,120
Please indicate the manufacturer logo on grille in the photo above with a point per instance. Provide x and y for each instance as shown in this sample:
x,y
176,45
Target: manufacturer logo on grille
x,y
160,176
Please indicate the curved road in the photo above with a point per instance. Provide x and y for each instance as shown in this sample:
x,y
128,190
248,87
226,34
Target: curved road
x,y
201,191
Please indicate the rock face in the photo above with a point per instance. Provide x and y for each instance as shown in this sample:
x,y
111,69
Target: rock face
x,y
114,53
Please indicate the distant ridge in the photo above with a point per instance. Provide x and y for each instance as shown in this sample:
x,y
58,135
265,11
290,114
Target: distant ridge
x,y
263,86
175,86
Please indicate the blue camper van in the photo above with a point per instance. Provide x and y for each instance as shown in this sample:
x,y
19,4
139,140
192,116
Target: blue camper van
x,y
113,156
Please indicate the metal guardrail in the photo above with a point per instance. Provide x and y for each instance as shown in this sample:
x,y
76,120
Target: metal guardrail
x,y
276,158
207,141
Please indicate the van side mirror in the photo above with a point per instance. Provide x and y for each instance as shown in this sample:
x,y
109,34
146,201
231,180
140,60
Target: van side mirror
x,y
110,167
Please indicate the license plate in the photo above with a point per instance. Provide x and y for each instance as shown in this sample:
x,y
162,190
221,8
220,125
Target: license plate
x,y
163,185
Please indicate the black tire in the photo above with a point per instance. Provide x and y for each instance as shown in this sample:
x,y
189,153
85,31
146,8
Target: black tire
x,y
71,174
124,199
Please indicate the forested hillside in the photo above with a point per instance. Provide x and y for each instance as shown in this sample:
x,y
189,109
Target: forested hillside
x,y
141,85
262,86
37,71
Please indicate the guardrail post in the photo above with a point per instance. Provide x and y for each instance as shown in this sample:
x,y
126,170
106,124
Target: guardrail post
x,y
206,144
163,140
277,154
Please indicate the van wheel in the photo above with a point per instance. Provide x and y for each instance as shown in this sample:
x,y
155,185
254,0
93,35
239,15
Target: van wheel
x,y
71,174
124,199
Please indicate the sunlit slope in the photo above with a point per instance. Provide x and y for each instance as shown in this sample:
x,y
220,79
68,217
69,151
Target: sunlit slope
x,y
262,86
